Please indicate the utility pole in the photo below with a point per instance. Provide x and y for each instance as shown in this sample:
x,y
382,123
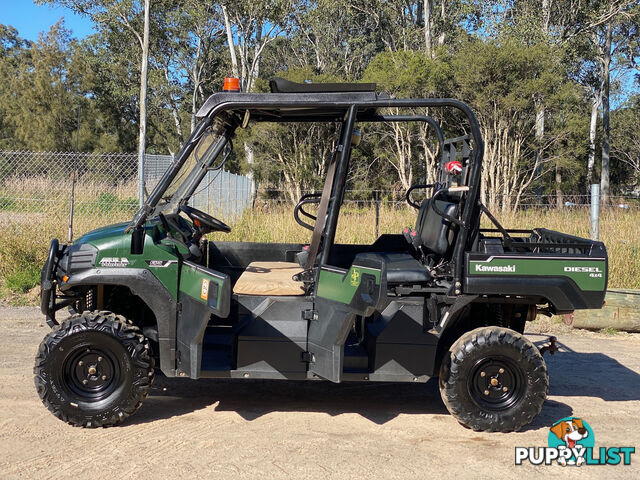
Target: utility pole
x,y
143,103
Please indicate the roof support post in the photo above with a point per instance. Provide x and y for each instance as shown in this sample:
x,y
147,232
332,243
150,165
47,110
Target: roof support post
x,y
340,180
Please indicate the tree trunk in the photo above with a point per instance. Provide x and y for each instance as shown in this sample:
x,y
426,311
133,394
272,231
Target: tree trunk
x,y
595,107
606,131
428,25
540,111
174,109
195,76
143,103
546,15
443,12
232,47
559,194
194,107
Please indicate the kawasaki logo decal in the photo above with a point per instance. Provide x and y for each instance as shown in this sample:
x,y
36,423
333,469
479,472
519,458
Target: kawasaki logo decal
x,y
492,268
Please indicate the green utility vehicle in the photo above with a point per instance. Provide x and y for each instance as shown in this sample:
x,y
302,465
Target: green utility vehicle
x,y
447,299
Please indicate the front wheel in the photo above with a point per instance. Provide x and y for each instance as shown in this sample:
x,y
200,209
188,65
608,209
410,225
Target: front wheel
x,y
493,379
94,370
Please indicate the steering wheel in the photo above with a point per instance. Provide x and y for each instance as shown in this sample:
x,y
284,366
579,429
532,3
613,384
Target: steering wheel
x,y
205,222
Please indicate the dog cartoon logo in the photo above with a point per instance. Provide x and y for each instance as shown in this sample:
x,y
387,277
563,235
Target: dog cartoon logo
x,y
571,442
574,435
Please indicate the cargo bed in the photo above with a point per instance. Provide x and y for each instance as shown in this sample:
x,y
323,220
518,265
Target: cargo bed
x,y
567,271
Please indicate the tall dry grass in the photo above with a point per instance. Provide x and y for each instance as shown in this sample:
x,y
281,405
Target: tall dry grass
x,y
25,236
619,230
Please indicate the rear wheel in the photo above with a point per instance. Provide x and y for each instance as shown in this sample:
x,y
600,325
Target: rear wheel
x,y
493,379
94,370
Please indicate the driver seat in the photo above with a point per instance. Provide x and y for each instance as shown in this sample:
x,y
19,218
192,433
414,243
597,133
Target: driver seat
x,y
434,235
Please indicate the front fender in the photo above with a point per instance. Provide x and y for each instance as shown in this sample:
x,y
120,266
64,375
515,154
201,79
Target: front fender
x,y
145,285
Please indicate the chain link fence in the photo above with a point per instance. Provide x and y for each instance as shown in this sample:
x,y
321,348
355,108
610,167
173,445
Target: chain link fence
x,y
35,197
105,185
39,184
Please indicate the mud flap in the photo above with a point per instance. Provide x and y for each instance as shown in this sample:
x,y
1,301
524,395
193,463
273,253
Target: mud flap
x,y
341,296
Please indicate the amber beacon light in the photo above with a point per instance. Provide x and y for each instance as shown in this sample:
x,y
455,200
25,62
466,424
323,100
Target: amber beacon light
x,y
231,84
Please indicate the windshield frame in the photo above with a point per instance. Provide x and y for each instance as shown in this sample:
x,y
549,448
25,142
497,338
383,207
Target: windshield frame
x,y
225,131
202,165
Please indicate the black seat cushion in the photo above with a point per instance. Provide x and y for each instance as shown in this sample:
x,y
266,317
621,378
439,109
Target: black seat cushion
x,y
436,233
403,268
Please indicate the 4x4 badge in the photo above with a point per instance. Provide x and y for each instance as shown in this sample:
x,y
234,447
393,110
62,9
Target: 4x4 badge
x,y
160,263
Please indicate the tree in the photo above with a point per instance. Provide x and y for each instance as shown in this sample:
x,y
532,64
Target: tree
x,y
43,115
407,74
14,53
250,26
294,156
502,82
625,146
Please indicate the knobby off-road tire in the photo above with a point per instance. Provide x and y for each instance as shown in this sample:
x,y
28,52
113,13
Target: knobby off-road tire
x,y
94,370
493,379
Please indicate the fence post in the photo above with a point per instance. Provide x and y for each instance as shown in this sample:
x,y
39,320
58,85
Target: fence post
x,y
141,161
376,200
595,211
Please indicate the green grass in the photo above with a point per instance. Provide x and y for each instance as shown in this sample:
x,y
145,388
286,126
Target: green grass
x,y
609,331
106,203
7,204
23,279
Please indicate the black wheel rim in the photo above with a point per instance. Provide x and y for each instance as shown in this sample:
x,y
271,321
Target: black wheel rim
x,y
91,374
496,383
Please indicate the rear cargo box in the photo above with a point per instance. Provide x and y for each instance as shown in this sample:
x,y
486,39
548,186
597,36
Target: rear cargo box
x,y
569,272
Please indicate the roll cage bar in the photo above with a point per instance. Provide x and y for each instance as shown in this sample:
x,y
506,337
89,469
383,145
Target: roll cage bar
x,y
226,111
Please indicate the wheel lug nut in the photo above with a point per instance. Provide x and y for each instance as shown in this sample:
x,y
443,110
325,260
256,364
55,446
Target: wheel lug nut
x,y
104,377
505,389
486,392
85,381
482,374
501,370
100,359
80,363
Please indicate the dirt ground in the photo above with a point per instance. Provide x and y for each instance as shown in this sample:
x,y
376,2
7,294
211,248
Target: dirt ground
x,y
272,429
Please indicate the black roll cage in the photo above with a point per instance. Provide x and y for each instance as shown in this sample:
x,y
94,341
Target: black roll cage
x,y
227,111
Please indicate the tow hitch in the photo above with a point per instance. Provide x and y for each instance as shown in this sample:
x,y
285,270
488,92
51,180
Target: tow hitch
x,y
552,348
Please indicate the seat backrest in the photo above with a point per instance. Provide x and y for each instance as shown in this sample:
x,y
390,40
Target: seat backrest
x,y
435,232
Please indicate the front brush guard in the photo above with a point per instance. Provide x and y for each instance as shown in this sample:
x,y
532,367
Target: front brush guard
x,y
48,304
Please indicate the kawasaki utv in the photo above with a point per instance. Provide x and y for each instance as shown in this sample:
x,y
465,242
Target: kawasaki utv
x,y
447,299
